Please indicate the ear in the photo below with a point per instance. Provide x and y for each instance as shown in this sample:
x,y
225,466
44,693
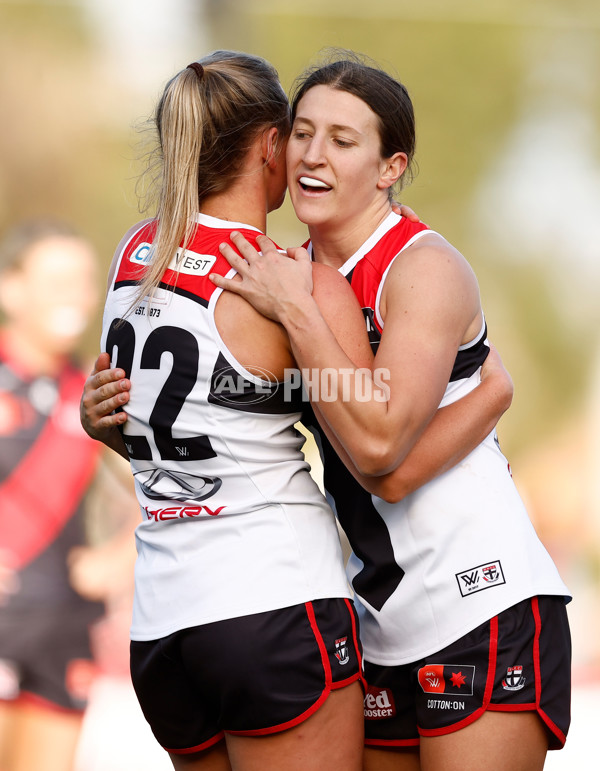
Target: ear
x,y
392,169
270,147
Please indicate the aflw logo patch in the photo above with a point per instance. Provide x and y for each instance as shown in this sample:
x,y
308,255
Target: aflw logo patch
x,y
482,577
443,678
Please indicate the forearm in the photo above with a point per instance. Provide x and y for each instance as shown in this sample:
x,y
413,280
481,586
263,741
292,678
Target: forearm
x,y
454,432
353,401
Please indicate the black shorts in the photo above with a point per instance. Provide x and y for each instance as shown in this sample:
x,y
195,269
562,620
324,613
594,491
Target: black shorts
x,y
252,675
45,656
518,661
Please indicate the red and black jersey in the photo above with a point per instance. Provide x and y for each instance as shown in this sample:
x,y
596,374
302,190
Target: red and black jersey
x,y
46,464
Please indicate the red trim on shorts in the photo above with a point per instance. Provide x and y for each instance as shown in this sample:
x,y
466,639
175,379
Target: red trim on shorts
x,y
310,612
392,742
487,694
535,609
289,724
531,707
345,683
355,639
550,724
199,747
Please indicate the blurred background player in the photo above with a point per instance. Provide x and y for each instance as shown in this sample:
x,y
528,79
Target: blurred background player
x,y
48,294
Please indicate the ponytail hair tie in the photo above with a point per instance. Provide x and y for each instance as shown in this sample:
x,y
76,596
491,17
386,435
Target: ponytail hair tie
x,y
198,69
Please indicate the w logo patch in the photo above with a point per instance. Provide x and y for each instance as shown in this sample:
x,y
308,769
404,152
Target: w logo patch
x,y
481,577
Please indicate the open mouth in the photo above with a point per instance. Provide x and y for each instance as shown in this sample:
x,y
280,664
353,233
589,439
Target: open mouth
x,y
310,184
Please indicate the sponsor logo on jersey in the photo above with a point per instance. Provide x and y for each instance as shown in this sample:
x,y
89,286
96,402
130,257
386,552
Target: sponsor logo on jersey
x,y
341,650
481,577
181,512
158,484
141,254
446,678
514,679
379,703
192,263
184,261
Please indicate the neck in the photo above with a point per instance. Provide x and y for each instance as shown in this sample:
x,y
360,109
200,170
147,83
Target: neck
x,y
245,200
237,208
334,243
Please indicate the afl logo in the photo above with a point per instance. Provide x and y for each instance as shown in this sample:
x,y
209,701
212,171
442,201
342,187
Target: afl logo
x,y
230,387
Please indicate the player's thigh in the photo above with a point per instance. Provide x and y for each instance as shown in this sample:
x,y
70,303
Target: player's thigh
x,y
396,759
45,739
214,759
332,738
503,741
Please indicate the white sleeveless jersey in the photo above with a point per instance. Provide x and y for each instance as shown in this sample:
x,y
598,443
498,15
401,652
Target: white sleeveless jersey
x,y
232,522
456,552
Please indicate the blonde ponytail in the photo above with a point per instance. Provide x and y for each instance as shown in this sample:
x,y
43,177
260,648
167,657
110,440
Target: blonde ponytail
x,y
207,118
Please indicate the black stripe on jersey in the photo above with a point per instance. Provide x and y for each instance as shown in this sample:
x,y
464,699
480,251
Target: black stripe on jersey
x,y
364,526
175,289
372,331
468,360
229,388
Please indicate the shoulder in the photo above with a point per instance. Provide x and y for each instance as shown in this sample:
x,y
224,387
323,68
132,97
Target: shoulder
x,y
431,282
253,339
329,286
131,232
433,259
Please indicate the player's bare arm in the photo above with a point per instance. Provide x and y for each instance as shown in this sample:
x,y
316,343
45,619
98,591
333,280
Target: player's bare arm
x,y
431,301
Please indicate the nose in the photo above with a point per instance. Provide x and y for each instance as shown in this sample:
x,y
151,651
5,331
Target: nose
x,y
314,152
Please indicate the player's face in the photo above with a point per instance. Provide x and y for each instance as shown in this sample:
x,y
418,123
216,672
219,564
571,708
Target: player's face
x,y
54,293
334,160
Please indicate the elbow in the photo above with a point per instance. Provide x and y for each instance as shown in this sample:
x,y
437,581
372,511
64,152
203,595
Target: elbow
x,y
391,492
508,396
375,458
390,488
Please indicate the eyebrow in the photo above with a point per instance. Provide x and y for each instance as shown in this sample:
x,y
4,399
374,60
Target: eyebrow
x,y
332,127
